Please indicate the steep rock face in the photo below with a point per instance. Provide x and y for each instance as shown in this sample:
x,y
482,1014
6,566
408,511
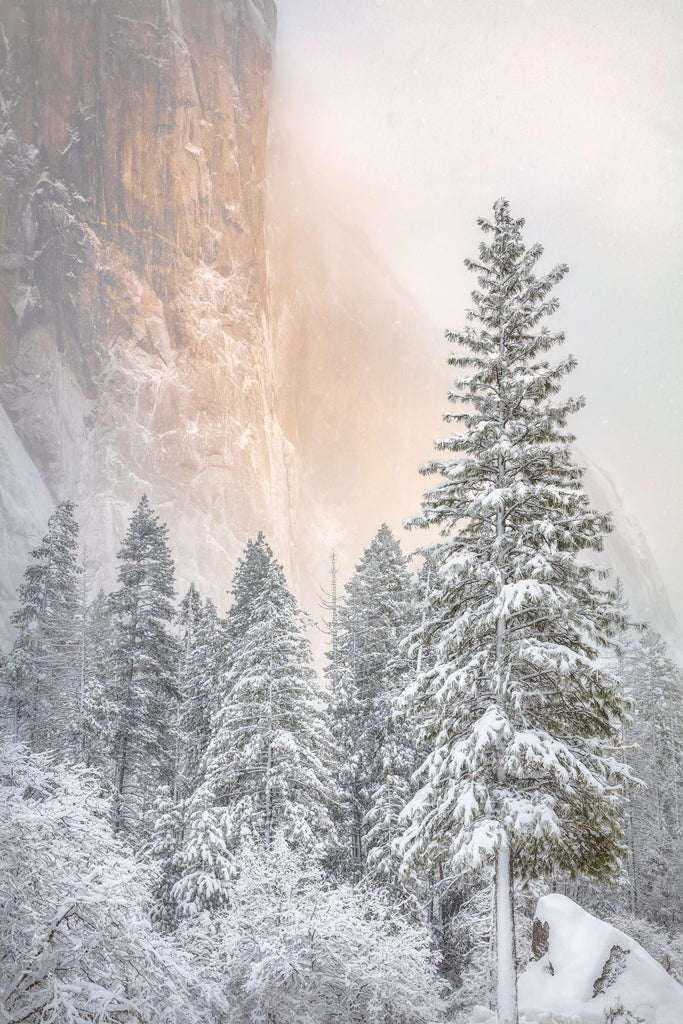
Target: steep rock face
x,y
627,554
134,348
148,344
154,112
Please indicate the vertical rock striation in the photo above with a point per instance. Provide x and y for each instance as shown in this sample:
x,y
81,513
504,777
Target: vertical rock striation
x,y
134,346
147,343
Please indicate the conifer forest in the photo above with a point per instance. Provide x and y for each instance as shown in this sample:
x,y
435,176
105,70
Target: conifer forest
x,y
203,823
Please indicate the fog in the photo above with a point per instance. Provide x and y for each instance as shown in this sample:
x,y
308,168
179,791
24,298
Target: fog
x,y
415,115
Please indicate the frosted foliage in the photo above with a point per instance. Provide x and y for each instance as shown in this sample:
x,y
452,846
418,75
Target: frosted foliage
x,y
75,942
162,851
44,668
206,865
293,949
200,659
145,663
655,811
519,717
368,670
93,727
270,747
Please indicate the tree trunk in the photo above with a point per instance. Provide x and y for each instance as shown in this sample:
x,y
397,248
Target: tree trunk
x,y
269,790
119,780
506,971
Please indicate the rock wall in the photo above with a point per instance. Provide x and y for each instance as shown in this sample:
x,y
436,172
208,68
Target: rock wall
x,y
134,346
148,342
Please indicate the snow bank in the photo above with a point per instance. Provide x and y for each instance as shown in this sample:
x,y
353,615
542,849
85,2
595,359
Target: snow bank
x,y
586,967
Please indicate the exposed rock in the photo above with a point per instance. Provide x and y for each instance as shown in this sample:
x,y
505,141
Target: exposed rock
x,y
539,939
134,347
614,965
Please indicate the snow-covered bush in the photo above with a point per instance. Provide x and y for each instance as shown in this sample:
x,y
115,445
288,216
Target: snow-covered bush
x,y
75,942
293,949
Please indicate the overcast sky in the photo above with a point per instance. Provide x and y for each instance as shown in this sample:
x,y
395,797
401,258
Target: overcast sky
x,y
416,114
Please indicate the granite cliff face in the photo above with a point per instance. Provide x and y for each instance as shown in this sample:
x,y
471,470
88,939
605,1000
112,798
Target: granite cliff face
x,y
134,345
146,342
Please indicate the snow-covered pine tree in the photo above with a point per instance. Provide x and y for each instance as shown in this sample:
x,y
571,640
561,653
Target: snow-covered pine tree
x,y
164,853
187,840
205,864
146,663
201,650
654,813
519,714
92,734
268,758
368,670
44,665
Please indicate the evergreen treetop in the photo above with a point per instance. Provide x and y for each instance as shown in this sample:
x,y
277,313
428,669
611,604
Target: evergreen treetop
x,y
268,758
145,660
43,673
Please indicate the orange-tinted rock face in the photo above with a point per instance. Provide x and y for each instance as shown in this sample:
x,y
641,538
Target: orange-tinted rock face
x,y
155,113
146,343
134,350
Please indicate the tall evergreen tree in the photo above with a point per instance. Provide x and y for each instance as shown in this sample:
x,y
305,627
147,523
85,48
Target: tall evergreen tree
x,y
43,670
519,714
368,669
268,758
93,730
201,654
654,813
146,662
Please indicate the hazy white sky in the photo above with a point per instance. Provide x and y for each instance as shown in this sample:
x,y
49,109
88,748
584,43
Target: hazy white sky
x,y
416,114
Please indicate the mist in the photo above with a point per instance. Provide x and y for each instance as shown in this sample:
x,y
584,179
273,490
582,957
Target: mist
x,y
413,117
